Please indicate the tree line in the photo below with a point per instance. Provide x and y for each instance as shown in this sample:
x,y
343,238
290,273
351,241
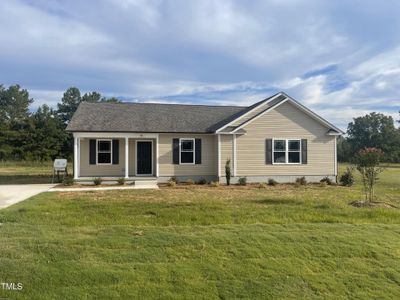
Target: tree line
x,y
40,135
374,130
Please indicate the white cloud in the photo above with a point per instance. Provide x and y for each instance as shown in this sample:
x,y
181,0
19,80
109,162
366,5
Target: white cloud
x,y
207,51
41,97
56,41
373,82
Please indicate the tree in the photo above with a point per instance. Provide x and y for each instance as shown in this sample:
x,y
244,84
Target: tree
x,y
111,100
46,135
14,105
375,130
69,103
91,97
14,117
71,100
367,162
96,97
344,151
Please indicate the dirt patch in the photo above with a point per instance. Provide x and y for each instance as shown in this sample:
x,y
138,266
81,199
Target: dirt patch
x,y
378,204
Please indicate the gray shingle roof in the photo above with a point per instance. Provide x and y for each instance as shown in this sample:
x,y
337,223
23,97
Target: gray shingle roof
x,y
151,117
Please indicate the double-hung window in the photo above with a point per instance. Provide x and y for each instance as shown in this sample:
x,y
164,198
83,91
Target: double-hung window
x,y
186,151
286,151
104,152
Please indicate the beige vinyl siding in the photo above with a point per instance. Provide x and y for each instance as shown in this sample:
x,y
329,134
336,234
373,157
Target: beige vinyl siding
x,y
88,170
245,118
226,146
286,121
208,164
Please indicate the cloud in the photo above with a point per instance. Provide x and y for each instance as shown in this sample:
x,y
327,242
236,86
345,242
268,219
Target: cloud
x,y
41,97
337,57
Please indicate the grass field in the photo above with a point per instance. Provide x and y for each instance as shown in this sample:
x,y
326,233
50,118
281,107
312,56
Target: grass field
x,y
25,172
195,242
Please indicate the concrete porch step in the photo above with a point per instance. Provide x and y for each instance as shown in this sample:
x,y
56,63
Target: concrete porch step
x,y
146,184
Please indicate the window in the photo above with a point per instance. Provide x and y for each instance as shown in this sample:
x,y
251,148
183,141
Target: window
x,y
186,151
280,151
104,152
294,151
286,151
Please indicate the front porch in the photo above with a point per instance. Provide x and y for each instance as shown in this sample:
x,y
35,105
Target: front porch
x,y
110,156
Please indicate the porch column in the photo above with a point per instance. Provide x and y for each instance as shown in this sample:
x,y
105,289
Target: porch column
x,y
79,157
126,158
219,155
76,158
234,154
157,151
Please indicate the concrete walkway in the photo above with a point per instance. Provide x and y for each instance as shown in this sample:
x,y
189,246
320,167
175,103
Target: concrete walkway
x,y
11,194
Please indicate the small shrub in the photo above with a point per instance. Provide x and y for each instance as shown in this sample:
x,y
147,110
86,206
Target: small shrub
x,y
262,185
301,181
272,182
202,180
214,183
97,181
68,180
228,171
347,178
121,181
242,181
171,183
175,179
327,180
190,181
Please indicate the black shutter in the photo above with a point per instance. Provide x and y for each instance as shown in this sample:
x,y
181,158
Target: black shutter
x,y
92,152
115,152
268,151
304,151
198,151
175,151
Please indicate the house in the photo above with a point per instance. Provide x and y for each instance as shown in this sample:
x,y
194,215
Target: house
x,y
275,138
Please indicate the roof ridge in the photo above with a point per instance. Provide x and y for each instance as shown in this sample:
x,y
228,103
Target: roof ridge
x,y
166,104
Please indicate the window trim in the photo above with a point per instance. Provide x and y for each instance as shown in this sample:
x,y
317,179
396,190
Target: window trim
x,y
286,151
97,152
194,150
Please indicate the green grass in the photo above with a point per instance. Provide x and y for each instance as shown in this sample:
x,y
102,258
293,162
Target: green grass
x,y
25,172
203,242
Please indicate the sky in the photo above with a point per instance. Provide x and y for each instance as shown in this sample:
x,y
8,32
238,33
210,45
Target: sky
x,y
340,58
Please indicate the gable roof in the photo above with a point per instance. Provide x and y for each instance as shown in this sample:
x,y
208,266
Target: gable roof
x,y
315,116
150,117
177,118
266,103
279,99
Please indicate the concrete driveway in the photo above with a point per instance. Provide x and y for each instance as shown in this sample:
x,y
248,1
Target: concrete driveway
x,y
11,194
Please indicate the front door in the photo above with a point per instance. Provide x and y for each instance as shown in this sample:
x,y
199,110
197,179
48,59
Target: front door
x,y
144,165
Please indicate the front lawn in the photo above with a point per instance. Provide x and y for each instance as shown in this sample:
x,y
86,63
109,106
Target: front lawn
x,y
203,242
27,172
